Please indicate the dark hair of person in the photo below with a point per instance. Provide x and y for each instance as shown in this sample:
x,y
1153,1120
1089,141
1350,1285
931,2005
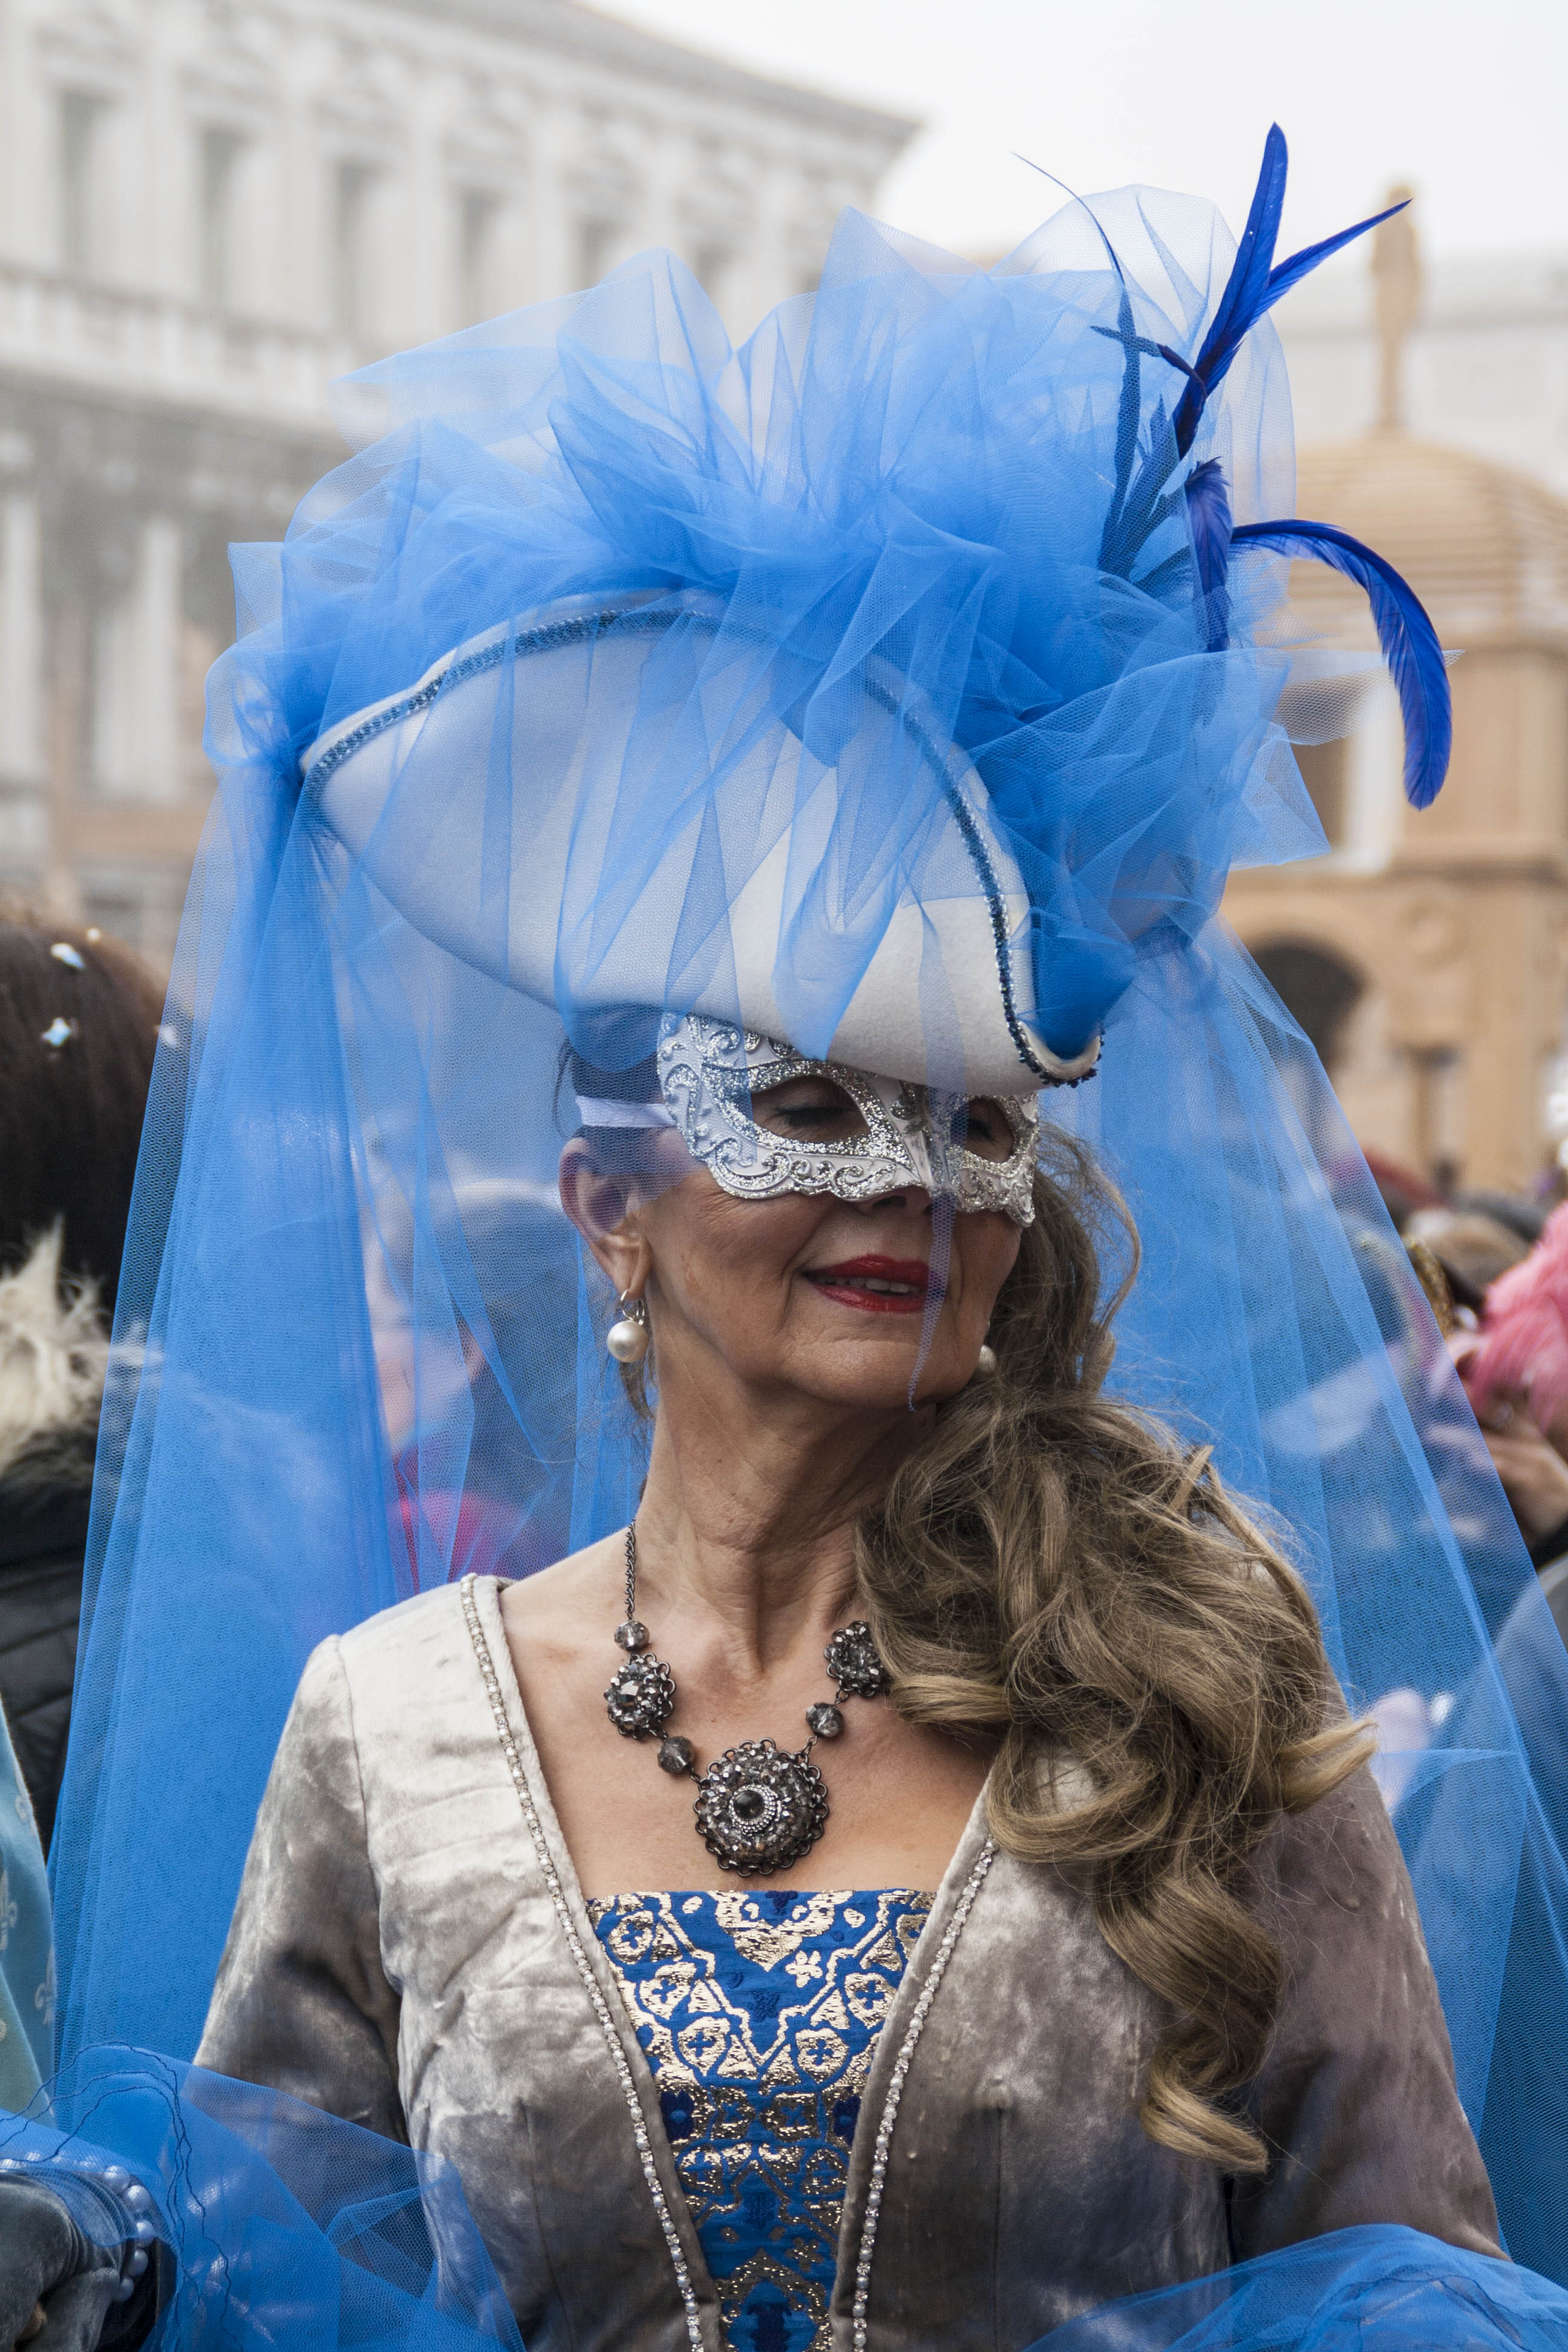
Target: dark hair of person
x,y
1057,1571
71,1109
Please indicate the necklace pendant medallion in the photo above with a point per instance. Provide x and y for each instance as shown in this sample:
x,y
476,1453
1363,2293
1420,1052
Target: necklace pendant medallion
x,y
853,1663
758,1809
641,1697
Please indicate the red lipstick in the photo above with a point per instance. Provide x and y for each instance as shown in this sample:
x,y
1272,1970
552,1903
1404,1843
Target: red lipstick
x,y
877,1286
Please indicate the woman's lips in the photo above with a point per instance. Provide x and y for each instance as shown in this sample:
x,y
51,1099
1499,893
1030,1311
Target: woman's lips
x,y
877,1286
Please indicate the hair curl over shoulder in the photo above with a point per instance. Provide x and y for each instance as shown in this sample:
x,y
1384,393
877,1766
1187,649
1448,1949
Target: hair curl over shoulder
x,y
1054,1569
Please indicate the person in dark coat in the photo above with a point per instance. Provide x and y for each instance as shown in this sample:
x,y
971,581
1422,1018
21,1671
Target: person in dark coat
x,y
79,1028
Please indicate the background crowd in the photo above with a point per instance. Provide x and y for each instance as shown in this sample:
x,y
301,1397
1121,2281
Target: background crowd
x,y
1495,1265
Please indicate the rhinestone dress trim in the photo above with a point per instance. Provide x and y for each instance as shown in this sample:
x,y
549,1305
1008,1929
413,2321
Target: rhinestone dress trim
x,y
884,2140
585,1970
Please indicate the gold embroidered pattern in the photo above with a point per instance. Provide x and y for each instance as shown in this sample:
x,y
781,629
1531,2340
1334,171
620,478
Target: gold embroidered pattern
x,y
759,2013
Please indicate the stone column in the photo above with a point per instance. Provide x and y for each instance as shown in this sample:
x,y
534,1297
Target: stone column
x,y
67,703
159,582
554,212
415,225
1374,768
21,639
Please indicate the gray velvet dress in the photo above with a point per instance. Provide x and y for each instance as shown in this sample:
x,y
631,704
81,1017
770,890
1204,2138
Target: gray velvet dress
x,y
411,1950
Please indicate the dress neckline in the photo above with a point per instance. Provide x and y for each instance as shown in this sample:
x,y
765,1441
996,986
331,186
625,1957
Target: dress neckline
x,y
836,1895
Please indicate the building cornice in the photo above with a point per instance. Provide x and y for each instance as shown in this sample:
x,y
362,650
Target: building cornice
x,y
25,382
585,35
1471,860
1477,858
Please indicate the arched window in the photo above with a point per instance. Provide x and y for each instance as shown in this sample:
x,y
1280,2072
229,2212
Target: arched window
x,y
1317,987
355,185
83,196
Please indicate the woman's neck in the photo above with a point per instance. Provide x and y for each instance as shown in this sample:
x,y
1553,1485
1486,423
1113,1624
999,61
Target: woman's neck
x,y
747,1520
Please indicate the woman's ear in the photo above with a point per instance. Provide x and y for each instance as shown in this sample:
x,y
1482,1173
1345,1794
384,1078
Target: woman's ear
x,y
604,1209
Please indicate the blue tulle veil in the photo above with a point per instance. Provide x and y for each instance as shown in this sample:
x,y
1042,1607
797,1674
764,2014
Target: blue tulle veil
x,y
694,618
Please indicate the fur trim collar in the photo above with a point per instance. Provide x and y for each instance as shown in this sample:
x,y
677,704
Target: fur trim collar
x,y
53,1359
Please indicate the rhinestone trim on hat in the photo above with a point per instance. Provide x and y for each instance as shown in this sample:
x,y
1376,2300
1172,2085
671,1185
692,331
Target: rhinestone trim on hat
x,y
601,2007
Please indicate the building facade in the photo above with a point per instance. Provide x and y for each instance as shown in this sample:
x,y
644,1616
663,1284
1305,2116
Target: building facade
x,y
1427,956
209,209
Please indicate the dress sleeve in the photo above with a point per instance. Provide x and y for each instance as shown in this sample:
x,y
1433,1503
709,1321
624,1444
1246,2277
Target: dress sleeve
x,y
1358,2093
301,2002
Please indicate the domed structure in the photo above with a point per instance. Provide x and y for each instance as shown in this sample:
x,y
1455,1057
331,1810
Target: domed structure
x,y
1427,956
1487,546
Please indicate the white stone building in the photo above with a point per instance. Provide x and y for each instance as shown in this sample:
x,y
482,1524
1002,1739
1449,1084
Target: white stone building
x,y
209,208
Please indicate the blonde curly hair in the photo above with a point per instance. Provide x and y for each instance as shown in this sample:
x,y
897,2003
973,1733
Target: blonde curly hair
x,y
1053,1569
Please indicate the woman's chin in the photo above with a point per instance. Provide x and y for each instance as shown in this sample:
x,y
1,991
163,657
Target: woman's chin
x,y
874,1372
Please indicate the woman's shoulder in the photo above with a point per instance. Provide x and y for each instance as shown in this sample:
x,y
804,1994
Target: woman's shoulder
x,y
408,1628
1338,1897
397,1698
404,1661
415,1666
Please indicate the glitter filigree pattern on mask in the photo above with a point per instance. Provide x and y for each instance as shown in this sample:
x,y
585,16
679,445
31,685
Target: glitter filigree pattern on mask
x,y
710,1074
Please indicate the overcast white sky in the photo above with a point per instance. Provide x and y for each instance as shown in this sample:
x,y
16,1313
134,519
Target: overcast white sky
x,y
1464,98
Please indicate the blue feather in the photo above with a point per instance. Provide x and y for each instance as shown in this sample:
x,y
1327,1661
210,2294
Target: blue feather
x,y
1286,274
1127,416
1255,284
1208,512
1404,632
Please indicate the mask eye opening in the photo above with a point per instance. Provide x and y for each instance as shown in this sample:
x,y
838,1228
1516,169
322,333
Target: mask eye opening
x,y
993,1130
810,1107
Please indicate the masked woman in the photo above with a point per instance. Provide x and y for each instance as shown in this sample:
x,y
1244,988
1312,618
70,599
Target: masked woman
x,y
908,1876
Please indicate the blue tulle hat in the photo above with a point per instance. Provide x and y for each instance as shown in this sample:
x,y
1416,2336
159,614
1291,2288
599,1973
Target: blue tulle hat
x,y
925,662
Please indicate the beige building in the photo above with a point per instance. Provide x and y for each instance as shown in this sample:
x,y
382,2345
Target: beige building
x,y
1428,955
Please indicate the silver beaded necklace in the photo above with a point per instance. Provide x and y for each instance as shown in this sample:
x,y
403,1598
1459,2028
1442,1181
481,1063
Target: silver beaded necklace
x,y
759,1807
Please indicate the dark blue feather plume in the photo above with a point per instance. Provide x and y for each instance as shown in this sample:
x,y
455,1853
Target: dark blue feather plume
x,y
1127,417
1404,632
1208,512
1248,284
1255,284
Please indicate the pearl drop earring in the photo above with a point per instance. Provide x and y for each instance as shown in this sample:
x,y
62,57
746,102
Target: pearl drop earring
x,y
986,1362
627,1338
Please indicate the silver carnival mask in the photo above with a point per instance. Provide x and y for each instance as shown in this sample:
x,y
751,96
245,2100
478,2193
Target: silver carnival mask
x,y
709,1075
